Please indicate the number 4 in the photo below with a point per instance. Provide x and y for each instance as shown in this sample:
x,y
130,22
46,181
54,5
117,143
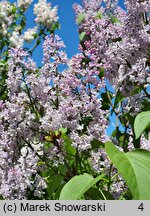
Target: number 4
x,y
141,207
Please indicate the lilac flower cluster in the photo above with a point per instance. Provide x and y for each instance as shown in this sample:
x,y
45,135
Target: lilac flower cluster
x,y
99,161
45,14
117,41
18,151
6,17
44,101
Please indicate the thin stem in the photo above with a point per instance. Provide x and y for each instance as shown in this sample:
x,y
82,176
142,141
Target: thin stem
x,y
110,101
103,194
113,177
37,42
76,161
80,165
126,123
31,102
109,177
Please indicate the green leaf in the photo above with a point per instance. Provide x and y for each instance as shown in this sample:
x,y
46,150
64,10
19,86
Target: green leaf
x,y
137,90
119,97
63,130
77,186
67,143
101,73
105,100
94,194
23,23
142,121
1,198
38,42
86,120
54,27
13,9
80,18
82,35
53,183
96,144
58,191
108,195
146,105
114,19
99,16
134,166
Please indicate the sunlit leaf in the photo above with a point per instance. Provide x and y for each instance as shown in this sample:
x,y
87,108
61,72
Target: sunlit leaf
x,y
134,166
80,18
142,121
77,186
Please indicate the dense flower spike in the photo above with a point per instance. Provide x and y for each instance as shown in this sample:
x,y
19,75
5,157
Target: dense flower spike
x,y
24,4
29,35
46,15
6,17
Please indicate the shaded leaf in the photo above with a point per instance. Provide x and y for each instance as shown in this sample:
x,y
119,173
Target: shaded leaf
x,y
96,144
53,183
94,194
119,97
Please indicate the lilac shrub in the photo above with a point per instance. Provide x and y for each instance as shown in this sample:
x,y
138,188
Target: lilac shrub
x,y
53,123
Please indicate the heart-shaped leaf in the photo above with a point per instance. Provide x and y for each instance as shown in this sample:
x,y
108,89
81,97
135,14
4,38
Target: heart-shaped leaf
x,y
134,166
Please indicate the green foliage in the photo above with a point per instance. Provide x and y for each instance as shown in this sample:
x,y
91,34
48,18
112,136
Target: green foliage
x,y
114,19
94,194
99,16
101,73
106,97
54,27
53,183
23,22
14,9
82,36
142,121
134,166
96,144
119,97
80,18
77,186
